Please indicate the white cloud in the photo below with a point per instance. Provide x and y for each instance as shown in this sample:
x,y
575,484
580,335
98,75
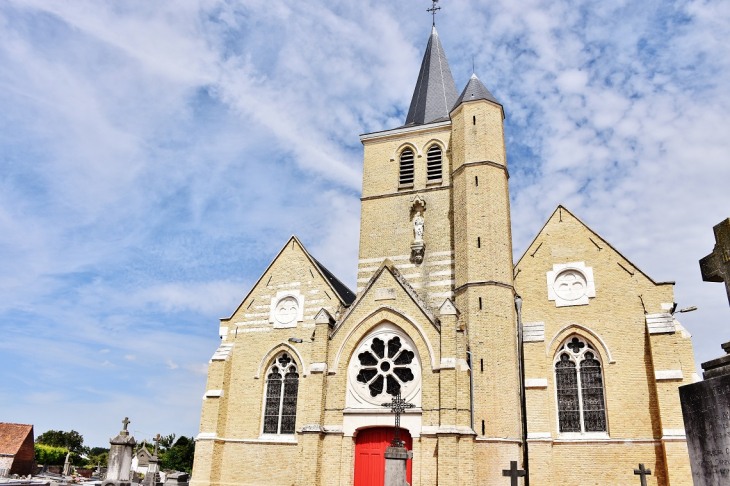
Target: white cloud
x,y
156,157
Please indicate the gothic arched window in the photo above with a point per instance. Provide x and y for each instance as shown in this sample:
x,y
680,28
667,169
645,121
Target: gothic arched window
x,y
406,168
579,386
433,164
282,384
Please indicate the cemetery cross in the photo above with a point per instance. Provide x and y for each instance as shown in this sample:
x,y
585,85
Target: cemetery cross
x,y
398,406
126,422
716,266
643,472
513,473
157,443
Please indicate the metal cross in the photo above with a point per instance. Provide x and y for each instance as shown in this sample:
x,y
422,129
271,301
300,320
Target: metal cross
x,y
513,472
157,443
433,10
126,422
715,267
398,406
643,472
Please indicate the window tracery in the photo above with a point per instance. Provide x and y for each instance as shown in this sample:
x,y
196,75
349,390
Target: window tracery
x,y
579,387
282,385
383,365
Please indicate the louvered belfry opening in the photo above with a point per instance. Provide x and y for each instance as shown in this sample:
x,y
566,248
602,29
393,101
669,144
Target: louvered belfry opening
x,y
433,164
406,168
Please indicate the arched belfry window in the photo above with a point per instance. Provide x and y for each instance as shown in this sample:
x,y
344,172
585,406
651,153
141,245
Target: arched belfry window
x,y
282,384
433,164
406,171
579,386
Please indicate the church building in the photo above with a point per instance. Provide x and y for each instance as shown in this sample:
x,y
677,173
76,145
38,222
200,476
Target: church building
x,y
567,362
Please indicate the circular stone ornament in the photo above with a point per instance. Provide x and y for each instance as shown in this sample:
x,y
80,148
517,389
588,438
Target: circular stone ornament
x,y
384,364
570,285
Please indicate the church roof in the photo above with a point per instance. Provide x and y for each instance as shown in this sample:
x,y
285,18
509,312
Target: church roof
x,y
348,296
473,91
435,92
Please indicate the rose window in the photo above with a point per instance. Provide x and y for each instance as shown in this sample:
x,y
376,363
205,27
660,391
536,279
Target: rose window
x,y
385,365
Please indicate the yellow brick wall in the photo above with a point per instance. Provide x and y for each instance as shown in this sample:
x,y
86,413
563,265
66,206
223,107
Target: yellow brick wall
x,y
639,408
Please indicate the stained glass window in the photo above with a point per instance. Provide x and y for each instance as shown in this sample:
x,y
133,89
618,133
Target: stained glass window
x,y
579,386
280,411
385,365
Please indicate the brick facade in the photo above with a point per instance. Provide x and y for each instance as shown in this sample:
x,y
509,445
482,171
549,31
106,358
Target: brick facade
x,y
457,310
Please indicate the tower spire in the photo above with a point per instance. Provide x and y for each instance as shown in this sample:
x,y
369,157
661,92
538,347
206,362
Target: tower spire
x,y
435,92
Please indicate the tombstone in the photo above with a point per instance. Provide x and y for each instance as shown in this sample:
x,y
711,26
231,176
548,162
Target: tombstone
x,y
705,404
120,458
67,464
396,456
152,477
177,479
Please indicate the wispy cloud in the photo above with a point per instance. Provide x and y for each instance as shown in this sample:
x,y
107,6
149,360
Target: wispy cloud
x,y
155,156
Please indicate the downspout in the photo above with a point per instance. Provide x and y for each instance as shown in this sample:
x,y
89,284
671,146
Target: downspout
x,y
523,401
471,388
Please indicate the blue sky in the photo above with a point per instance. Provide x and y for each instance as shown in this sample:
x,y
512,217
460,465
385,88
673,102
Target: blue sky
x,y
154,157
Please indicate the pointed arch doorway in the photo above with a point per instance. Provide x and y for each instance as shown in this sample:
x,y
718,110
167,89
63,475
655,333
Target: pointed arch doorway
x,y
370,446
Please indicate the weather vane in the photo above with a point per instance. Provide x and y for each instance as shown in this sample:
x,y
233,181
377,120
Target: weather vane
x,y
433,10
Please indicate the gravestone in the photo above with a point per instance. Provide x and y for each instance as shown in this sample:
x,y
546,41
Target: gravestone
x,y
706,404
177,479
120,458
152,477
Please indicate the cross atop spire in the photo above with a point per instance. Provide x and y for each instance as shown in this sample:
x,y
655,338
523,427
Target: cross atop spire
x,y
433,10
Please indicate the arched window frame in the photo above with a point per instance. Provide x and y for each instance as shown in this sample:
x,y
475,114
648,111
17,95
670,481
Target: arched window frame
x,y
434,164
587,353
407,167
280,396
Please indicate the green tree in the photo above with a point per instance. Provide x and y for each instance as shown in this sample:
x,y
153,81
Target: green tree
x,y
180,456
72,441
49,455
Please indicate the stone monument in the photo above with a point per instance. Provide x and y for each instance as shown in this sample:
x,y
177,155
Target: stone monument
x,y
120,458
152,477
396,456
706,405
67,464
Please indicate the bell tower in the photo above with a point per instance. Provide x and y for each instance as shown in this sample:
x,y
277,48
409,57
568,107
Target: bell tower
x,y
483,287
435,202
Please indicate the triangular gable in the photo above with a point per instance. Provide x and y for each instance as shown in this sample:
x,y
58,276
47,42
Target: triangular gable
x,y
559,210
388,266
12,437
341,291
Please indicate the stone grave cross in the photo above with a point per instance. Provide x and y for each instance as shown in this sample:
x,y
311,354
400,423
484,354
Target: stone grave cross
x,y
125,422
716,266
513,473
398,406
643,472
157,443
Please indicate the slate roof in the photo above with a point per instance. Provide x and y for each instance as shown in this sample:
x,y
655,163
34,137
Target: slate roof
x,y
435,92
12,437
347,295
473,91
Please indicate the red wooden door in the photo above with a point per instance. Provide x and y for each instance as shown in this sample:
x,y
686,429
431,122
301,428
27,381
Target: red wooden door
x,y
370,446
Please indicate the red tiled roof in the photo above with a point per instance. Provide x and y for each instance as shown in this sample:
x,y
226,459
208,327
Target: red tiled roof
x,y
12,437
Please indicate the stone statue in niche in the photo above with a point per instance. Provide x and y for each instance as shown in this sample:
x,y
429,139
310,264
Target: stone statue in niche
x,y
418,228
